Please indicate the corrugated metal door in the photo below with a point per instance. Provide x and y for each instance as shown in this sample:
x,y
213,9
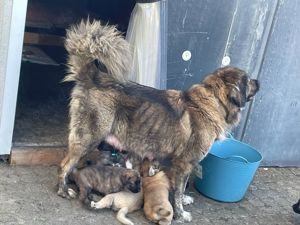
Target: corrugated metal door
x,y
259,36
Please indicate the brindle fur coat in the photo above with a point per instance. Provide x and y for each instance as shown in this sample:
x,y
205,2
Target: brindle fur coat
x,y
181,125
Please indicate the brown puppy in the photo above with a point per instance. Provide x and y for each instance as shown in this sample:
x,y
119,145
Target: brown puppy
x,y
105,180
157,207
181,125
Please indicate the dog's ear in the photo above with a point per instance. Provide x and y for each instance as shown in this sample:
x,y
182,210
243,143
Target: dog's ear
x,y
128,176
125,177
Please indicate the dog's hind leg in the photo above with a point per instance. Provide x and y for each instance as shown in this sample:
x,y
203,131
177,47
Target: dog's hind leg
x,y
121,216
180,175
186,200
79,145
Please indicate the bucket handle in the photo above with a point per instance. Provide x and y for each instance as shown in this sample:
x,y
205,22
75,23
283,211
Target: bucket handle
x,y
230,136
237,158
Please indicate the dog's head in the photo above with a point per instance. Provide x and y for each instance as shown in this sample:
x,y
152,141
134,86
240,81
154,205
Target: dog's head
x,y
150,168
233,88
131,180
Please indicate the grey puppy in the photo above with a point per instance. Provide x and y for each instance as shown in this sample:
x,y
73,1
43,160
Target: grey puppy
x,y
104,180
181,125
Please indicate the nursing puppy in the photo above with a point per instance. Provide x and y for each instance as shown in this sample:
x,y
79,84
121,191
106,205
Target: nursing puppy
x,y
181,125
124,202
104,180
157,207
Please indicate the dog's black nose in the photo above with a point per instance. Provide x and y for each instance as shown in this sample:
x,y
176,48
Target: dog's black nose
x,y
136,189
257,84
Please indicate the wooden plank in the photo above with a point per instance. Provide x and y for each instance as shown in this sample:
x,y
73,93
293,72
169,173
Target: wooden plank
x,y
43,39
46,156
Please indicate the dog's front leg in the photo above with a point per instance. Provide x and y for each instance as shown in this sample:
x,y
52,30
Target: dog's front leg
x,y
180,214
186,199
180,174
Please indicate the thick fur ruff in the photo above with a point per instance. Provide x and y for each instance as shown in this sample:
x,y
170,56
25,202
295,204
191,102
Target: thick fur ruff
x,y
179,125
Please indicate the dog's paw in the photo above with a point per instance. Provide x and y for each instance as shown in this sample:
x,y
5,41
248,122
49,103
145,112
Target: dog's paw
x,y
72,193
184,217
62,193
187,216
186,200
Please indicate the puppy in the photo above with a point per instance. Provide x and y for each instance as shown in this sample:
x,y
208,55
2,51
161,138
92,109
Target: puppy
x,y
157,207
296,207
130,160
105,180
105,106
123,201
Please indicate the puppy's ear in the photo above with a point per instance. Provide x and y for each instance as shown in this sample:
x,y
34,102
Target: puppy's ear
x,y
125,177
236,98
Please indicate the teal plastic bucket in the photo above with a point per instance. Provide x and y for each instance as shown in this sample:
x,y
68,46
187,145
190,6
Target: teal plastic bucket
x,y
228,170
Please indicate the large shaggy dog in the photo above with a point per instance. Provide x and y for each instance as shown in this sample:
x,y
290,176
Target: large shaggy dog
x,y
180,125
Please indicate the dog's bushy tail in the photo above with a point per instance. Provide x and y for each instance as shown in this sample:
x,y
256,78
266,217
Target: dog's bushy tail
x,y
89,41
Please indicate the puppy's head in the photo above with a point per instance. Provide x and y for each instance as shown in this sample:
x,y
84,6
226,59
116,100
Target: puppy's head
x,y
150,168
233,88
131,180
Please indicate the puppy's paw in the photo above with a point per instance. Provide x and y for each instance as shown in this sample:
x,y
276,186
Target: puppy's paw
x,y
186,200
72,193
164,222
93,205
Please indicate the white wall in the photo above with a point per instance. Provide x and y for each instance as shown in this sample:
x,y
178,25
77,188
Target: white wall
x,y
12,24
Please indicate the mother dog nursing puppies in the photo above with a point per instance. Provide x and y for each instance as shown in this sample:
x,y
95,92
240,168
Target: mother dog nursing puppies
x,y
180,125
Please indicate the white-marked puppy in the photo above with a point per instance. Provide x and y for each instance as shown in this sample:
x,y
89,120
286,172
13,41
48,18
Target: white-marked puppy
x,y
124,202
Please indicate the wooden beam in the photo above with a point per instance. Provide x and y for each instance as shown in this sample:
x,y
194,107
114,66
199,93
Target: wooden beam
x,y
43,39
46,156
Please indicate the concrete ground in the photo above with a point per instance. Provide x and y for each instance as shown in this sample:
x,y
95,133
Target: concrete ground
x,y
28,196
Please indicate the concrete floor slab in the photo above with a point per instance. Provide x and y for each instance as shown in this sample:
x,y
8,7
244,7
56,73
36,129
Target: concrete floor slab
x,y
28,196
